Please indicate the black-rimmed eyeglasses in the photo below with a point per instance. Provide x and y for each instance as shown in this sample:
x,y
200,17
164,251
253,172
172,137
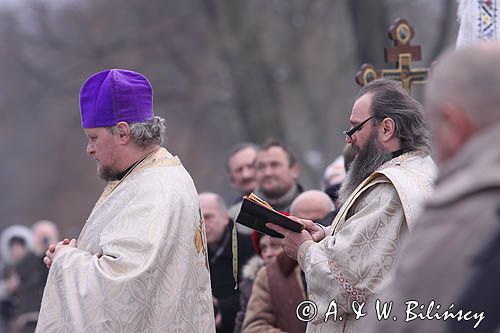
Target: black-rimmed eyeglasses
x,y
348,134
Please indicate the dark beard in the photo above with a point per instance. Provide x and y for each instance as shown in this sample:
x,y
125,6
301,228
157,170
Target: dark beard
x,y
107,174
369,159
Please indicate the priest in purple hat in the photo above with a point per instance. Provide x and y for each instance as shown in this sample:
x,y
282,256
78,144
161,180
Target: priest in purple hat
x,y
140,262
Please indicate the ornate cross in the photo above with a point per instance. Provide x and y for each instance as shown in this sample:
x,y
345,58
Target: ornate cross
x,y
402,54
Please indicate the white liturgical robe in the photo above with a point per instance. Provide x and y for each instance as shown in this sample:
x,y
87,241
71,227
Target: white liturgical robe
x,y
363,240
140,264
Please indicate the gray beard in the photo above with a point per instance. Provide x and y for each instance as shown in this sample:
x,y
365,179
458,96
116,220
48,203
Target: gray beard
x,y
369,159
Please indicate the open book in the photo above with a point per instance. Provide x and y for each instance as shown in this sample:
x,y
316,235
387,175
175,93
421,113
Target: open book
x,y
255,213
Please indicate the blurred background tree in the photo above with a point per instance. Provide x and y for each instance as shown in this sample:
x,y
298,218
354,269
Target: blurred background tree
x,y
223,71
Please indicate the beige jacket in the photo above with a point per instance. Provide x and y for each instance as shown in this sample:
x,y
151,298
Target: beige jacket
x,y
436,260
272,304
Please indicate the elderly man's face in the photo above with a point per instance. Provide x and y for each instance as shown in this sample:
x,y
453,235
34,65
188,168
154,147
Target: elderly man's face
x,y
102,147
275,176
215,218
242,171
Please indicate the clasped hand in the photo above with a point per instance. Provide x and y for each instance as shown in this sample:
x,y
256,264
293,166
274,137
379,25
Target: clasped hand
x,y
54,248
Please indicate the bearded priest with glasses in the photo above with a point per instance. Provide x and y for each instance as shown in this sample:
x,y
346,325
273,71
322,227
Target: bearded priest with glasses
x,y
390,177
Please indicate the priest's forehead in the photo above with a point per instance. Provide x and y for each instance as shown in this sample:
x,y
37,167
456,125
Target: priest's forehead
x,y
361,109
96,131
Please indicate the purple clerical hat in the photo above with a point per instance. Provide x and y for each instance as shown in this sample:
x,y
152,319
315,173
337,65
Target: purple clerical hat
x,y
115,95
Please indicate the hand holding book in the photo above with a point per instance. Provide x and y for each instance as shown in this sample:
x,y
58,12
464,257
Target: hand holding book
x,y
255,213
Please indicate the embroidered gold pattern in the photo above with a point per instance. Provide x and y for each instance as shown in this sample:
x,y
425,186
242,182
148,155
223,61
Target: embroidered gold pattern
x,y
356,294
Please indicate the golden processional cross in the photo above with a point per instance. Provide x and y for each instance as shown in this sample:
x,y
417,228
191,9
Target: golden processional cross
x,y
402,54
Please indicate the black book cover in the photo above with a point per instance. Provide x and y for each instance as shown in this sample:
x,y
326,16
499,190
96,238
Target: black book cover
x,y
255,216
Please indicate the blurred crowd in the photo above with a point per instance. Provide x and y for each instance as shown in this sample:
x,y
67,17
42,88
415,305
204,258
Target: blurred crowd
x,y
270,284
23,274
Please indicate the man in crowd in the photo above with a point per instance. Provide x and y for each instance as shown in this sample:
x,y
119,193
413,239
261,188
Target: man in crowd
x,y
140,262
240,167
437,261
277,172
45,233
381,196
241,172
278,287
220,255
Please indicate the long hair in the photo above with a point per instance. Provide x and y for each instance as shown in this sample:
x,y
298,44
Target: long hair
x,y
390,100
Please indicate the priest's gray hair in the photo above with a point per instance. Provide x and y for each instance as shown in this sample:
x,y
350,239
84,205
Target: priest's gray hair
x,y
390,100
149,133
